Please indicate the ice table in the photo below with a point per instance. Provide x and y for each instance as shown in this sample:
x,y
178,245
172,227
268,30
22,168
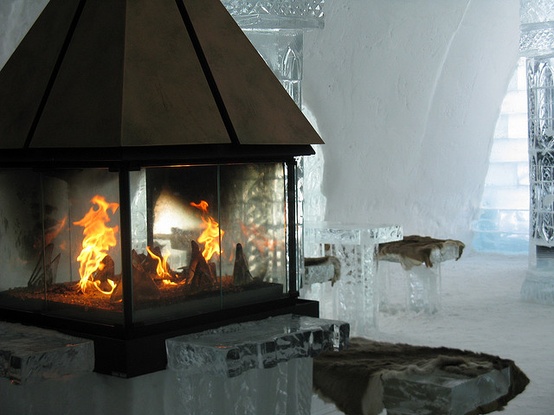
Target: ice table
x,y
259,367
354,297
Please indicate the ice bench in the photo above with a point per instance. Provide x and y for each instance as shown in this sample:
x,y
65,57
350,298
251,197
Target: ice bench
x,y
417,287
257,367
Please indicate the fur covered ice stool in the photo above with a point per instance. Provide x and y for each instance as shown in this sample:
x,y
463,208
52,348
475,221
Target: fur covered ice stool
x,y
417,287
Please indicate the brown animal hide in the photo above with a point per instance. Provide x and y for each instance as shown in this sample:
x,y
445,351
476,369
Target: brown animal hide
x,y
351,378
415,250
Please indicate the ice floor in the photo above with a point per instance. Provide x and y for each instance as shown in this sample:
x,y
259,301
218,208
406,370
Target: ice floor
x,y
482,312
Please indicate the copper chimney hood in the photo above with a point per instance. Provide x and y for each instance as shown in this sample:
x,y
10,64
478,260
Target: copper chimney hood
x,y
172,75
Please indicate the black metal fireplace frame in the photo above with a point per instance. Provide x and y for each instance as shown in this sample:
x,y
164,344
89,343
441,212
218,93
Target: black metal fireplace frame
x,y
128,84
131,349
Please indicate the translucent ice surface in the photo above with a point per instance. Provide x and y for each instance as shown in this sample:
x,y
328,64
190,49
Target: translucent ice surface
x,y
258,367
31,353
416,394
285,389
354,297
231,350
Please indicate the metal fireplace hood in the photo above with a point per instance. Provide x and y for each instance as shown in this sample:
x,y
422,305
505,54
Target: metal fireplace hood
x,y
143,81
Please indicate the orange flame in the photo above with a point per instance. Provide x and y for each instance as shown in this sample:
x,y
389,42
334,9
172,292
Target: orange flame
x,y
98,238
161,268
211,235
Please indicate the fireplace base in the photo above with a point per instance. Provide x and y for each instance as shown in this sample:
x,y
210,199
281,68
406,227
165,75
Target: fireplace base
x,y
257,367
141,351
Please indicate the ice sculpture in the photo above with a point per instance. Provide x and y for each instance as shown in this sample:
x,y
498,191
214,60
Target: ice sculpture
x,y
537,45
354,297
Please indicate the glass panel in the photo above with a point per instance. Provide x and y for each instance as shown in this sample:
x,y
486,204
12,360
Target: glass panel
x,y
206,238
22,251
60,252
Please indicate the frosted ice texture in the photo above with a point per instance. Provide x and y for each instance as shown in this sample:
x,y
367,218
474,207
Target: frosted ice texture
x,y
417,290
415,394
537,27
413,288
351,234
354,298
277,13
285,389
537,44
234,349
31,353
541,136
257,367
314,200
321,273
424,289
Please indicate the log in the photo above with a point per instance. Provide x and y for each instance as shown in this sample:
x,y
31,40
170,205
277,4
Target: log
x,y
200,273
144,287
241,273
106,273
45,269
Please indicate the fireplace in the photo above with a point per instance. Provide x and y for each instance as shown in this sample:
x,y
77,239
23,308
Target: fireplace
x,y
129,213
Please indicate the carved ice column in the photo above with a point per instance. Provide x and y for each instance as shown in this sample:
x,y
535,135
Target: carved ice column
x,y
537,45
276,29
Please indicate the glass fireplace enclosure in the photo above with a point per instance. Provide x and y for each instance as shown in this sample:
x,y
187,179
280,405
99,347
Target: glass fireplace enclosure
x,y
140,247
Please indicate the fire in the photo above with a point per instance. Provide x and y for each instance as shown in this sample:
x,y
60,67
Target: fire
x,y
211,235
98,238
161,269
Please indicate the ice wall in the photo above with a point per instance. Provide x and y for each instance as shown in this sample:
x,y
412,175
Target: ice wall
x,y
16,17
407,95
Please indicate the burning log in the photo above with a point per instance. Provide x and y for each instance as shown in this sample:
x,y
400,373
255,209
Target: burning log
x,y
47,275
104,273
200,273
144,287
241,273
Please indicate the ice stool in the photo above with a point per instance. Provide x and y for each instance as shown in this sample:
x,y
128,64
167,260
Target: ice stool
x,y
418,287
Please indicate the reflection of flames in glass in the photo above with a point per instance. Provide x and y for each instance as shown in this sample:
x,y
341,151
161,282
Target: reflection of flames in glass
x,y
98,238
259,237
211,235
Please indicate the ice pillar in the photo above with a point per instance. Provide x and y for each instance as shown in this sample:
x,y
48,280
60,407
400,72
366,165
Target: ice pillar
x,y
537,46
276,29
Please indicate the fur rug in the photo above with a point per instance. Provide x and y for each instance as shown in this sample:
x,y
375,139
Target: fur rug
x,y
415,250
351,378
